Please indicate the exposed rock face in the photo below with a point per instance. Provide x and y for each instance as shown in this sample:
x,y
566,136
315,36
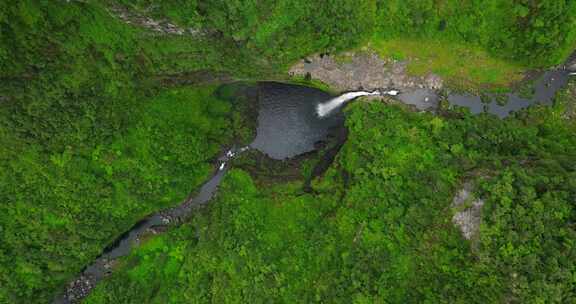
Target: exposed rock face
x,y
363,71
468,212
159,26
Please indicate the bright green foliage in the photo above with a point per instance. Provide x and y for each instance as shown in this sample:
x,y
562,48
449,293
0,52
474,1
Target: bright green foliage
x,y
94,136
527,235
535,33
378,228
461,65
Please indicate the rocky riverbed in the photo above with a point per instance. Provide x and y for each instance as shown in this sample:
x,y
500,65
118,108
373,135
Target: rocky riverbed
x,y
363,70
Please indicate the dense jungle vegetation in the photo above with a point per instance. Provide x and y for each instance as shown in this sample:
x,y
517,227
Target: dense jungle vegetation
x,y
376,228
97,130
536,33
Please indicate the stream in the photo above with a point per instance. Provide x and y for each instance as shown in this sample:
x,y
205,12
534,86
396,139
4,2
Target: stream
x,y
544,90
289,125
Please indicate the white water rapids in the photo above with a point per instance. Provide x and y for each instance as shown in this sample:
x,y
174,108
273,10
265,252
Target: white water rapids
x,y
324,109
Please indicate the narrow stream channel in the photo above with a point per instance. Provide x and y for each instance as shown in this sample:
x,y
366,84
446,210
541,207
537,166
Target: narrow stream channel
x,y
544,90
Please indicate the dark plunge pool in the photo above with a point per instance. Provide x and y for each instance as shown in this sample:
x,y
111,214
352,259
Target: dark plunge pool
x,y
287,121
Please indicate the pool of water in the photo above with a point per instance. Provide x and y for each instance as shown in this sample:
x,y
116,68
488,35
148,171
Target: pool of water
x,y
288,124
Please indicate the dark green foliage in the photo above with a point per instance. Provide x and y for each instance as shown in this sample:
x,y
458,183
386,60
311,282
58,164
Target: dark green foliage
x,y
72,62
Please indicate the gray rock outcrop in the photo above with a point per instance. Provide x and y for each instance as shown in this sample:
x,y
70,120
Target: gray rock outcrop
x,y
468,212
363,70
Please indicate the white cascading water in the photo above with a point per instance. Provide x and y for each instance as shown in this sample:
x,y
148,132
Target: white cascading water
x,y
324,109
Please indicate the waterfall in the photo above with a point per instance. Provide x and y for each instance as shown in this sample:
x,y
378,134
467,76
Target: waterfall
x,y
324,109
